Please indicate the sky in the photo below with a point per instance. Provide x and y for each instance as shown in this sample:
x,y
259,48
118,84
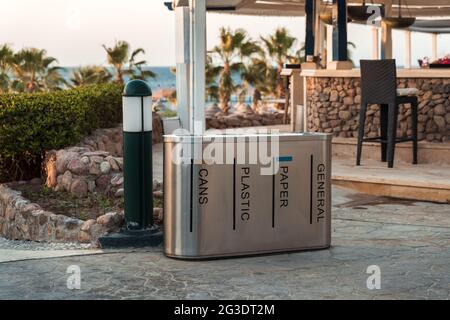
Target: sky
x,y
73,31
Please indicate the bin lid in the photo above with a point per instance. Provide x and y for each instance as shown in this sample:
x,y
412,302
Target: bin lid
x,y
282,136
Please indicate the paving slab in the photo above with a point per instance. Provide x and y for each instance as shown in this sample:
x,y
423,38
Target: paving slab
x,y
13,250
408,240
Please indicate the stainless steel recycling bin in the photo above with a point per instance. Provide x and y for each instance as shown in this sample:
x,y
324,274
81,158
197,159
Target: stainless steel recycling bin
x,y
230,209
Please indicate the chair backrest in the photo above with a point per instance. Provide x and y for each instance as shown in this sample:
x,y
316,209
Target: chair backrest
x,y
378,81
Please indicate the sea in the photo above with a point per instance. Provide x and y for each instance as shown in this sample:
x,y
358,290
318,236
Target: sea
x,y
165,79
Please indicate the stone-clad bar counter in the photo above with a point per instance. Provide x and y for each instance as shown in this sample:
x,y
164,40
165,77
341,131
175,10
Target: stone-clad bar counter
x,y
332,99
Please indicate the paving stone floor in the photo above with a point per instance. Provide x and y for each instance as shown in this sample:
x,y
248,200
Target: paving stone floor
x,y
409,241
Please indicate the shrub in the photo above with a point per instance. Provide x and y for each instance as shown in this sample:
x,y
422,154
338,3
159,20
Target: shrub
x,y
31,124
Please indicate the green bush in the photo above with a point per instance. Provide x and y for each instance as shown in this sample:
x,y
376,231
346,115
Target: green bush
x,y
31,124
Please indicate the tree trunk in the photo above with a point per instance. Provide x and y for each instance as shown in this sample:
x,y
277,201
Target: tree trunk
x,y
256,98
119,76
280,86
224,102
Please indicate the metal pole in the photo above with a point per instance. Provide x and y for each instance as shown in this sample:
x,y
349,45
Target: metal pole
x,y
197,65
309,37
182,54
340,30
137,155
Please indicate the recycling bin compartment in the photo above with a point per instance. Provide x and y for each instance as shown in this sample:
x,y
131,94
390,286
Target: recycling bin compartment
x,y
238,206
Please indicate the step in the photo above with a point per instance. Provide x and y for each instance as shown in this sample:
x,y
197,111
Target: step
x,y
428,152
424,182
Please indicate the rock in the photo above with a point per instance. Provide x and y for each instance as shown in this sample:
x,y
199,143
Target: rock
x,y
439,110
105,167
84,237
86,226
440,122
79,187
85,160
91,186
119,193
97,159
66,180
156,185
110,147
212,110
117,180
113,163
62,159
111,220
334,96
101,146
96,153
102,182
246,123
345,115
76,166
348,101
106,220
97,230
243,108
158,194
72,223
158,214
233,121
94,169
117,137
119,162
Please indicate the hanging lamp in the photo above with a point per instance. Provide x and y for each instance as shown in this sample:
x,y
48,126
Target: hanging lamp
x,y
400,22
361,13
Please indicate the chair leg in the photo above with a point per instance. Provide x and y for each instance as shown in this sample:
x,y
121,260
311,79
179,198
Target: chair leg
x,y
414,115
383,129
392,133
362,121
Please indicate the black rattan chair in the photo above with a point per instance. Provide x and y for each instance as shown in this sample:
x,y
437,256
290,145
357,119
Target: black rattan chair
x,y
379,86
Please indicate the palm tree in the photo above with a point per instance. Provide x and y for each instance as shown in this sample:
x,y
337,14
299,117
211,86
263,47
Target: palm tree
x,y
118,56
261,76
211,74
90,75
135,67
35,71
279,47
233,49
6,63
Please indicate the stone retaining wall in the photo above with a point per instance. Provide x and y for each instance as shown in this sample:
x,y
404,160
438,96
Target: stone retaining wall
x,y
94,165
22,220
333,107
79,171
240,120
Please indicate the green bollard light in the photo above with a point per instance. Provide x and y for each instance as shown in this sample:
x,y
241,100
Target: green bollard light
x,y
137,155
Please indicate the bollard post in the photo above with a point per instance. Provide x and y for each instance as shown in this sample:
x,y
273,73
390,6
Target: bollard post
x,y
139,230
137,155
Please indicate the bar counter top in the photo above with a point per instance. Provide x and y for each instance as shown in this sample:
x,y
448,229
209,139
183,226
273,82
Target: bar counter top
x,y
355,73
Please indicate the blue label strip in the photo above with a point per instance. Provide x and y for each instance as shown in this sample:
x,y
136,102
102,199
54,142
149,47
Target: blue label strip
x,y
285,159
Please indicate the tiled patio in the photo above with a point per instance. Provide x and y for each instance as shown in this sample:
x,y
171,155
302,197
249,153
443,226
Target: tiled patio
x,y
409,241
